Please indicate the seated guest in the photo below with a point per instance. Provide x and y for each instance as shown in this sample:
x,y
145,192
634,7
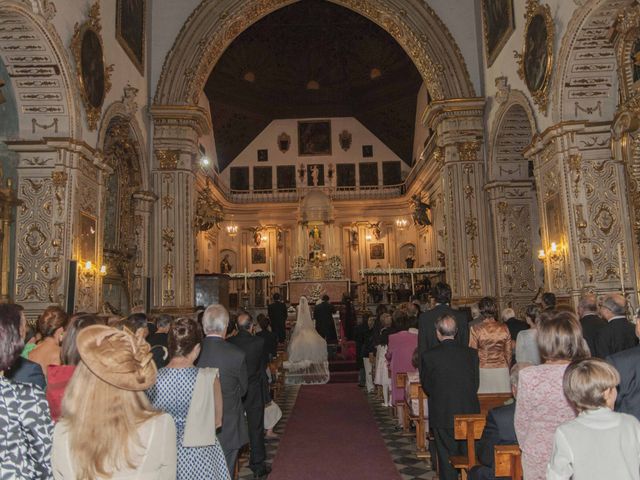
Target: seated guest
x,y
270,338
526,343
158,340
438,366
619,333
399,352
24,370
108,427
627,363
51,325
60,375
414,377
542,405
590,321
498,430
25,425
492,340
599,443
548,302
514,324
185,392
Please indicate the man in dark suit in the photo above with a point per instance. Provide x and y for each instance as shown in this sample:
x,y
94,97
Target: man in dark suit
x,y
449,374
590,321
159,339
548,301
232,366
499,430
24,370
323,315
270,338
277,312
427,321
619,333
627,363
257,392
513,323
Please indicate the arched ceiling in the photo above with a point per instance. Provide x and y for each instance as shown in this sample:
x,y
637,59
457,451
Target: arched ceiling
x,y
359,69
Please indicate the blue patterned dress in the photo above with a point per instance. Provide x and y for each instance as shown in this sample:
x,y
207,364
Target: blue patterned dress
x,y
172,394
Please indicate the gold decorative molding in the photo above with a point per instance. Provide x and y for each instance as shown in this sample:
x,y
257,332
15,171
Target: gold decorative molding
x,y
167,159
468,151
540,93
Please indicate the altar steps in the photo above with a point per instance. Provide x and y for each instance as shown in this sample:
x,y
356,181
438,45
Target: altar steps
x,y
343,371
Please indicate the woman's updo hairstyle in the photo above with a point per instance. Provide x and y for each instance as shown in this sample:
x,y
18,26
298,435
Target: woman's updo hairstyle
x,y
184,335
488,307
51,320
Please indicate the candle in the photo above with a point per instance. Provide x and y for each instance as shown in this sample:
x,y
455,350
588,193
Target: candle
x,y
349,287
245,280
413,285
270,271
620,266
389,275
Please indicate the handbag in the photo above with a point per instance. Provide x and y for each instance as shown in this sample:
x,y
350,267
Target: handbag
x,y
202,412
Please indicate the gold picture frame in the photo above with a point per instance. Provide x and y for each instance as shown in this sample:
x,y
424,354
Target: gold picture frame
x,y
131,30
535,63
498,24
92,72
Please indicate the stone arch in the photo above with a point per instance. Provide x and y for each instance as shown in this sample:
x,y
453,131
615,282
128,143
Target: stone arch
x,y
213,25
586,85
39,69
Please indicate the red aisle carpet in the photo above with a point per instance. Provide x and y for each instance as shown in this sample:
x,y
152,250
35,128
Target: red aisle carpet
x,y
332,435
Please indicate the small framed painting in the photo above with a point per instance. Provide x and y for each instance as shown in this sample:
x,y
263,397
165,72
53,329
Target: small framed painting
x,y
258,256
314,137
376,251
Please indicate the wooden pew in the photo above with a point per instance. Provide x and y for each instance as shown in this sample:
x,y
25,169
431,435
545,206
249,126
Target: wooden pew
x,y
508,461
467,427
416,393
492,400
401,382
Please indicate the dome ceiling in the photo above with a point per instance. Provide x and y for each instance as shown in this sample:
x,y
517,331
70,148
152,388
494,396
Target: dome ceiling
x,y
313,59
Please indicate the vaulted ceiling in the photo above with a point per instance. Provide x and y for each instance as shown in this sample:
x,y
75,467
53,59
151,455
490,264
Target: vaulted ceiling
x,y
313,59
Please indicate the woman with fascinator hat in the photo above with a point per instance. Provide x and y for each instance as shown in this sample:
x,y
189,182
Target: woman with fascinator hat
x,y
108,428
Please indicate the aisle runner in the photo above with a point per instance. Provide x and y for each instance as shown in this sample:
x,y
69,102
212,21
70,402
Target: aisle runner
x,y
332,434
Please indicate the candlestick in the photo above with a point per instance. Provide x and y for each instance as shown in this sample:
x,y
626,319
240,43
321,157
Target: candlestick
x,y
620,267
245,280
413,285
270,271
389,276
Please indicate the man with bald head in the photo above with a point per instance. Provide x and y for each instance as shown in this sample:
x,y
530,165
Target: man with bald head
x,y
590,321
450,376
619,333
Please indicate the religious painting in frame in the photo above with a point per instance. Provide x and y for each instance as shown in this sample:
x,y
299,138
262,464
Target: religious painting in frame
x,y
286,177
368,174
346,174
376,251
258,256
314,137
536,60
262,179
499,23
94,76
87,238
239,178
130,29
391,173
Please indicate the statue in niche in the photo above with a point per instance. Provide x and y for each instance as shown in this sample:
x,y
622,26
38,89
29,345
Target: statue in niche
x,y
314,175
315,235
420,214
225,264
411,259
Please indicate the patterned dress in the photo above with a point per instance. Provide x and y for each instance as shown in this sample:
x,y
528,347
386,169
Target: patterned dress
x,y
25,432
172,393
540,409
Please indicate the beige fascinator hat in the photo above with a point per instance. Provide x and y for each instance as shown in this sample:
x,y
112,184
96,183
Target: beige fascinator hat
x,y
117,357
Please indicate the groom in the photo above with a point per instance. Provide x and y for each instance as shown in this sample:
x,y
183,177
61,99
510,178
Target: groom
x,y
323,314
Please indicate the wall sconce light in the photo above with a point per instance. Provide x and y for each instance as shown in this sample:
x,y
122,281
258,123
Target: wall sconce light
x,y
90,268
553,253
541,255
402,223
368,237
264,238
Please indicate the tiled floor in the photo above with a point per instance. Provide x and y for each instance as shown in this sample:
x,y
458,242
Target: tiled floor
x,y
402,448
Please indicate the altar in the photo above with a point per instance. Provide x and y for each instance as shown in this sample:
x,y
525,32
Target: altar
x,y
315,289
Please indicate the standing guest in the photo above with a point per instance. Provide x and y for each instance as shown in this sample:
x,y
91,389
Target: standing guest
x,y
447,398
257,394
24,370
31,339
323,315
599,443
399,353
541,405
137,324
108,427
627,363
368,353
270,338
185,392
427,338
231,363
492,340
476,318
60,375
514,324
548,301
359,335
382,367
590,321
527,343
51,325
348,314
413,311
498,430
277,312
619,333
25,425
159,340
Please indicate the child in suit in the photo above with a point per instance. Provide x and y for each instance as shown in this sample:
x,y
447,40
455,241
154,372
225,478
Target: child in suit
x,y
598,443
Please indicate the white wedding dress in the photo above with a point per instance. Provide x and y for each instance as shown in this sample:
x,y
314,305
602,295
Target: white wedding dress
x,y
307,363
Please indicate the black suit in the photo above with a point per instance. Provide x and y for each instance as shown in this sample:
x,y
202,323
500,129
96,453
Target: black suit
x,y
627,363
427,327
232,366
323,315
159,349
26,371
255,399
450,376
499,430
277,312
515,326
591,324
270,344
619,334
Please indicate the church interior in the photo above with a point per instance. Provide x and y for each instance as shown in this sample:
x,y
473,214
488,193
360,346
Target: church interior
x,y
161,156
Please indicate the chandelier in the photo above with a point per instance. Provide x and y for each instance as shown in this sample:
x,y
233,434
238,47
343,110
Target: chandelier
x,y
402,223
232,229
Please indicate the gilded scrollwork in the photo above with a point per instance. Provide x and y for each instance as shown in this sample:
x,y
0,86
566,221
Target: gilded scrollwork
x,y
167,159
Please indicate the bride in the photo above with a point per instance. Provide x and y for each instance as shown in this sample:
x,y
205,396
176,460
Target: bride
x,y
307,350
